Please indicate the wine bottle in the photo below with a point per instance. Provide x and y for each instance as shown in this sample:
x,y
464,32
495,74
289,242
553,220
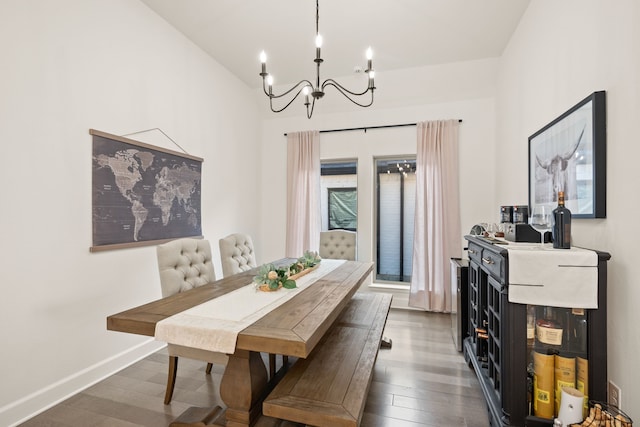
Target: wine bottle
x,y
561,224
578,331
549,330
531,327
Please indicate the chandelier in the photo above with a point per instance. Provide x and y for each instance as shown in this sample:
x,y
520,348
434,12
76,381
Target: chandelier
x,y
316,91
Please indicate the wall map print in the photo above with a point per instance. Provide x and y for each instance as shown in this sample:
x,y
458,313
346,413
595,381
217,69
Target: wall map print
x,y
142,194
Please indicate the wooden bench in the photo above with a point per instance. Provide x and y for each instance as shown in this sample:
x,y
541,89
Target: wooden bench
x,y
330,387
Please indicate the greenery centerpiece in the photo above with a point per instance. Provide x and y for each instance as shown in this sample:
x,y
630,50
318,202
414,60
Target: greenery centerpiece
x,y
272,278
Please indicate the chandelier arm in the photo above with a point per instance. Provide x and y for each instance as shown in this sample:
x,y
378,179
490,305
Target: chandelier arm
x,y
346,93
271,97
332,82
301,82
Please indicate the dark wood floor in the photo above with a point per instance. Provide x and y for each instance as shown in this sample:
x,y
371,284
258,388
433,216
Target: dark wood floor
x,y
421,381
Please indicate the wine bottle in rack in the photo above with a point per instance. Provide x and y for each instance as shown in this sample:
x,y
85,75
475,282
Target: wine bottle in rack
x,y
531,328
578,330
549,330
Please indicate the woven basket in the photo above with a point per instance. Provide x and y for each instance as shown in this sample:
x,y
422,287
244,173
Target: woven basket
x,y
604,415
303,272
265,288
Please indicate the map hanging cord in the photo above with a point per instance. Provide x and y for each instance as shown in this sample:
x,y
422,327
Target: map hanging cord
x,y
162,132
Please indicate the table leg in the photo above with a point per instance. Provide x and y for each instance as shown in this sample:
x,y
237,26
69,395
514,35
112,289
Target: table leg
x,y
243,386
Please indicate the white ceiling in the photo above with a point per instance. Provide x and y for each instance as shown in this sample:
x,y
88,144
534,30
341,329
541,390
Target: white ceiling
x,y
402,33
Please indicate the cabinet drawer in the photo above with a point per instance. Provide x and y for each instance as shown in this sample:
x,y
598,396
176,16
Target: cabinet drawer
x,y
494,264
475,253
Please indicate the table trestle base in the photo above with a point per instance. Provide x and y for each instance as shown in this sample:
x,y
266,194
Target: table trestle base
x,y
199,417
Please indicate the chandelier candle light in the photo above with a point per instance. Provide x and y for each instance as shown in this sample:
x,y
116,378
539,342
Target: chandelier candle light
x,y
307,88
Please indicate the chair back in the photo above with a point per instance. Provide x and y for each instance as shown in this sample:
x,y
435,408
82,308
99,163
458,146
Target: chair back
x,y
237,254
338,244
184,264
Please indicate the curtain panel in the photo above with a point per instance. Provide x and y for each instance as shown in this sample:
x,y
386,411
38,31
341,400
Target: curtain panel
x,y
303,193
437,230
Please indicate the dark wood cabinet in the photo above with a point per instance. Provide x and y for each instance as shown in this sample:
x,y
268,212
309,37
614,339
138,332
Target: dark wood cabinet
x,y
497,347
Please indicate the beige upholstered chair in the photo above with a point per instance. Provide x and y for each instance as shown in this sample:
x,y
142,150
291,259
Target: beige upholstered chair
x,y
185,264
237,254
338,244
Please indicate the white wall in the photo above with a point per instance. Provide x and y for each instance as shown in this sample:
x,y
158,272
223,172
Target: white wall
x,y
68,66
452,91
560,53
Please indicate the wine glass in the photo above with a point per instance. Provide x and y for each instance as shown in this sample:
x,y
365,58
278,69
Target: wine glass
x,y
541,219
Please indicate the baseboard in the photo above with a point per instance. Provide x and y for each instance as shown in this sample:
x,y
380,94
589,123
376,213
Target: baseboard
x,y
27,407
400,294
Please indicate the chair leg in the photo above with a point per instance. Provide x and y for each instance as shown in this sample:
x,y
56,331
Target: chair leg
x,y
386,342
171,378
272,365
209,366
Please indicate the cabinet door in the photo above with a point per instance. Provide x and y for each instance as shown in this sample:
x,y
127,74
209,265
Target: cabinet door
x,y
494,311
558,356
477,321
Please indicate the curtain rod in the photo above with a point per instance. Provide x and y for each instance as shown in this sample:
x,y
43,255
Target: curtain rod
x,y
370,127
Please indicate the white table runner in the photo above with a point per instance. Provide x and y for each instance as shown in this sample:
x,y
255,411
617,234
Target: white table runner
x,y
554,277
215,324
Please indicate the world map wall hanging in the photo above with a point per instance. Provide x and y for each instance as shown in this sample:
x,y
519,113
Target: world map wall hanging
x,y
142,194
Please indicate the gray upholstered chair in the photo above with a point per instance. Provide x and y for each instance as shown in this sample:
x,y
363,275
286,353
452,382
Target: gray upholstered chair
x,y
237,254
185,264
338,244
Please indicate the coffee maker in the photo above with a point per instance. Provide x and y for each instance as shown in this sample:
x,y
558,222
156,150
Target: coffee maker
x,y
516,225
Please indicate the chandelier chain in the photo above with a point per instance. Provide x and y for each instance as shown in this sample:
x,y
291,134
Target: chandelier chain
x,y
317,17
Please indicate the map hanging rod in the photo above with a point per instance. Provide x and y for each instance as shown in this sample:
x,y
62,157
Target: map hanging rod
x,y
162,132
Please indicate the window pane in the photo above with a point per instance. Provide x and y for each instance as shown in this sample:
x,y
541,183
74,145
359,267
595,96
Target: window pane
x,y
396,186
343,208
389,226
339,193
409,216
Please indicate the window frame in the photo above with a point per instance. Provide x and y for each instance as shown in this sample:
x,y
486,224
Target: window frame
x,y
347,166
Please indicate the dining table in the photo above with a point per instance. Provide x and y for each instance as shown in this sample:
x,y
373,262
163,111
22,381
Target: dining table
x,y
293,328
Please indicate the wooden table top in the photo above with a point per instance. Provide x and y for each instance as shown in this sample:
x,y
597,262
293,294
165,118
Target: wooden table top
x,y
292,329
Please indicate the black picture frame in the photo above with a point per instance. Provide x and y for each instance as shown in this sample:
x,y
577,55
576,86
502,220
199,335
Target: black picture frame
x,y
569,154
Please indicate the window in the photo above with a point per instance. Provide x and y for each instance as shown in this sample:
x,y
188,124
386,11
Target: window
x,y
395,207
339,194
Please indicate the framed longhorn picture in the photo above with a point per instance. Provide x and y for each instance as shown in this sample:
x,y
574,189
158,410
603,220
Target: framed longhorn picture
x,y
569,154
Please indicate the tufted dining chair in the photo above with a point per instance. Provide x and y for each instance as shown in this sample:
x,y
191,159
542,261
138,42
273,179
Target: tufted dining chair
x,y
185,264
338,244
237,254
